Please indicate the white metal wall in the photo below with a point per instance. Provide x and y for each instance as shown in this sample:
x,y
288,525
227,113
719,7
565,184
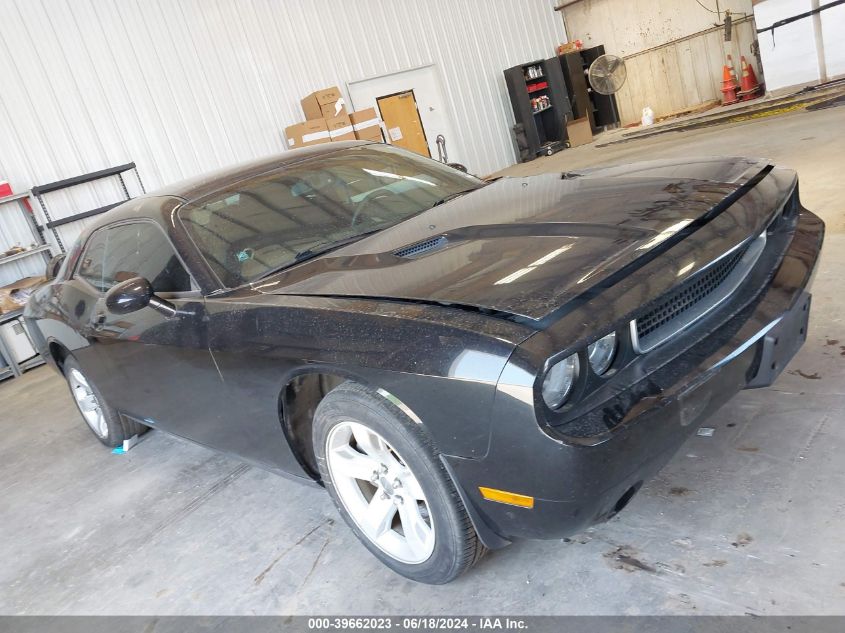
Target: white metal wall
x,y
185,86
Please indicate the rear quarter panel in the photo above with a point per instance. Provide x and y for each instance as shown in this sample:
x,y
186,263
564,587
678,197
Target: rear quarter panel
x,y
56,313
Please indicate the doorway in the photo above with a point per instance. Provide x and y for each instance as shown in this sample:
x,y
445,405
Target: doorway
x,y
401,118
432,107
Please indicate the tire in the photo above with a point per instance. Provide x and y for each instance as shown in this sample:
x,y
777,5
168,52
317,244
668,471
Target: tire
x,y
443,543
108,427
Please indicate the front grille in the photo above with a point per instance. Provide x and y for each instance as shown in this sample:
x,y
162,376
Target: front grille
x,y
415,250
686,296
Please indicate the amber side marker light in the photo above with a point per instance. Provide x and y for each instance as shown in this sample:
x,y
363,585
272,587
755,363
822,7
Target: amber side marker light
x,y
511,498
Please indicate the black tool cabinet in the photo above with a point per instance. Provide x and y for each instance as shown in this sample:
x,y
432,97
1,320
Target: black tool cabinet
x,y
600,109
544,127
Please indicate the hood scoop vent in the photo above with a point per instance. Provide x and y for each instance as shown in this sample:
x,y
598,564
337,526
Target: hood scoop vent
x,y
422,248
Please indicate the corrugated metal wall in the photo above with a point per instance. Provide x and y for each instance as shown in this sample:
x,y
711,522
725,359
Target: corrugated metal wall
x,y
185,86
667,69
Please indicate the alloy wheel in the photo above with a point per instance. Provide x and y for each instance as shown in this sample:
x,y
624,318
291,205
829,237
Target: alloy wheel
x,y
88,403
380,492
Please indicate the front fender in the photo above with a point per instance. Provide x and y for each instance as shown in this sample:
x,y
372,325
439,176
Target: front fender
x,y
442,363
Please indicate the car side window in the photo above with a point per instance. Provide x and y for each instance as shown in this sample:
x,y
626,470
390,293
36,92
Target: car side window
x,y
91,263
141,249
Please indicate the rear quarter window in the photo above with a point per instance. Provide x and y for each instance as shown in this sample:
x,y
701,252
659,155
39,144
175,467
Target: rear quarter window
x,y
91,263
138,249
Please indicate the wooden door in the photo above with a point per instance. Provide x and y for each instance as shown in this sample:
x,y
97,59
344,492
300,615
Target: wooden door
x,y
402,120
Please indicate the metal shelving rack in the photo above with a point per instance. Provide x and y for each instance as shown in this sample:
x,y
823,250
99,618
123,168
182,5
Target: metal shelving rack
x,y
52,224
41,246
8,366
6,369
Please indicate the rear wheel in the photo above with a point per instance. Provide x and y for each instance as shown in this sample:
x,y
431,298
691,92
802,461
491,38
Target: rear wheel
x,y
102,419
386,479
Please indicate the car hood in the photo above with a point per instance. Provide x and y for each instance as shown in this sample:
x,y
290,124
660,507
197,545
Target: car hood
x,y
524,246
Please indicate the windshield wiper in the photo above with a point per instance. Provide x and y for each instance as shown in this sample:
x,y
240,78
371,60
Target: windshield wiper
x,y
319,249
315,251
452,196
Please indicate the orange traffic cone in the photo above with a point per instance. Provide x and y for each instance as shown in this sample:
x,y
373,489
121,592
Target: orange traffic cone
x,y
733,70
749,86
753,76
729,86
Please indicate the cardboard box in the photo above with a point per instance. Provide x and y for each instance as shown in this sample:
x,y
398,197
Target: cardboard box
x,y
331,110
307,133
14,296
312,105
340,128
366,125
570,47
372,133
579,132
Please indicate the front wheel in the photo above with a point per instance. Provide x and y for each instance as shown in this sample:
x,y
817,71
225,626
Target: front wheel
x,y
386,479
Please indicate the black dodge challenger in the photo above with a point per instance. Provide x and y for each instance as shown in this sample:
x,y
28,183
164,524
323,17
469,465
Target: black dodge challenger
x,y
460,363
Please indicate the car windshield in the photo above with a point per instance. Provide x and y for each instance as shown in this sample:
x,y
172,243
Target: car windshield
x,y
283,217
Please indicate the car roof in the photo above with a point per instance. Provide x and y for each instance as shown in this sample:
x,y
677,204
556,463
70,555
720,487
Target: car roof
x,y
160,202
204,184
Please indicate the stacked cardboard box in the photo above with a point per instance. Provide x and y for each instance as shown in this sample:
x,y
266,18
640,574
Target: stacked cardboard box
x,y
340,128
327,120
307,133
323,104
366,125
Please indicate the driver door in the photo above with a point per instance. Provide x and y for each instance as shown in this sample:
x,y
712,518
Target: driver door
x,y
149,365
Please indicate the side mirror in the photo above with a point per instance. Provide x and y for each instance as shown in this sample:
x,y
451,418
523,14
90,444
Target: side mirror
x,y
53,266
133,295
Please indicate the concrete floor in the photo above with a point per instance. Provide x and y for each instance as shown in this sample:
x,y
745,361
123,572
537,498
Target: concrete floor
x,y
747,521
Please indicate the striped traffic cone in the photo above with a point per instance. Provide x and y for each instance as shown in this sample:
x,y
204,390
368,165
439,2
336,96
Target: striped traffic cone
x,y
729,86
733,71
749,86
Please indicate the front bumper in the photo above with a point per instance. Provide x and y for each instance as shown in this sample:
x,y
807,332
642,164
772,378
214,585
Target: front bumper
x,y
577,482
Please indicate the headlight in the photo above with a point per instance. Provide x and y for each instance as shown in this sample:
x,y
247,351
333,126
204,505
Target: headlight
x,y
559,381
601,353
